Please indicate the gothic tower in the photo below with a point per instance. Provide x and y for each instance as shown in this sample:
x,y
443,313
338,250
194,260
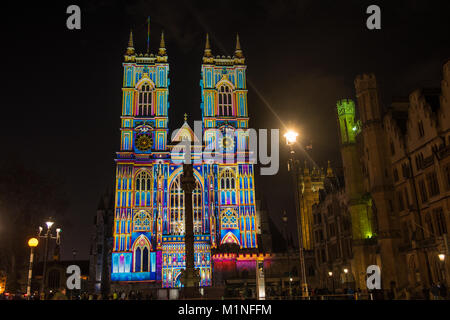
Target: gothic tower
x,y
225,124
359,204
378,180
141,166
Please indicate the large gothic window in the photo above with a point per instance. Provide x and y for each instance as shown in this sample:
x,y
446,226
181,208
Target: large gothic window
x,y
227,187
225,105
143,189
176,194
144,103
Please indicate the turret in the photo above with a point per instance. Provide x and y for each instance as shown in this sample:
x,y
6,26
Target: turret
x,y
130,53
346,119
368,98
238,55
330,173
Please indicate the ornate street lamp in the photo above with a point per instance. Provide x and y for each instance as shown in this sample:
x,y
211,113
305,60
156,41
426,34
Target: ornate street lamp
x,y
32,243
291,139
48,235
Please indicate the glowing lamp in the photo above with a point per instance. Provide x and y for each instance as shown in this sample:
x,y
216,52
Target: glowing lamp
x,y
33,242
345,270
284,218
49,224
330,273
441,257
291,137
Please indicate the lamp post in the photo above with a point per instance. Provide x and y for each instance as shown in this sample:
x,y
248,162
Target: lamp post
x,y
32,243
346,277
285,220
441,257
291,138
330,274
48,235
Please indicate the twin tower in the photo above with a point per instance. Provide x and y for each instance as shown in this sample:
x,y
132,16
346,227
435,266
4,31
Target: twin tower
x,y
149,201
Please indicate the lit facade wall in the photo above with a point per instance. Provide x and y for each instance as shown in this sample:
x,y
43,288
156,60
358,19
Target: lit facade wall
x,y
149,199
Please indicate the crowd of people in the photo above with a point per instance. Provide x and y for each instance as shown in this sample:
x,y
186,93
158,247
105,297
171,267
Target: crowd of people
x,y
437,291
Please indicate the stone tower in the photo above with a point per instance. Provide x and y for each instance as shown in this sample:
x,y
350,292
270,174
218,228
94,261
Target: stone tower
x,y
359,203
378,180
309,183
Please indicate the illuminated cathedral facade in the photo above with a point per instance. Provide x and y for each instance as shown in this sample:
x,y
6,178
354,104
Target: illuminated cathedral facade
x,y
149,217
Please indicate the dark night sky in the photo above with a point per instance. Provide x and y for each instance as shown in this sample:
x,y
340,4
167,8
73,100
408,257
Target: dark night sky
x,y
62,89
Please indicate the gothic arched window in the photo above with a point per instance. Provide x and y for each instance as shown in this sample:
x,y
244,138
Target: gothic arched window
x,y
228,187
197,207
224,105
143,189
142,255
176,207
176,203
144,101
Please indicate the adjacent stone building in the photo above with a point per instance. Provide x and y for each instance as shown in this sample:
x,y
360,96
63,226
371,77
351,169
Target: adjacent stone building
x,y
397,182
333,237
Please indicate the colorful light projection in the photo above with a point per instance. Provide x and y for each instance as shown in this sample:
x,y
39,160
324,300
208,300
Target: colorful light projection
x,y
149,204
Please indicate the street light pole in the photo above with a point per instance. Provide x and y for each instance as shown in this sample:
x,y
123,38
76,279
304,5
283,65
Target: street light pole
x,y
44,270
285,220
32,243
47,236
332,280
291,138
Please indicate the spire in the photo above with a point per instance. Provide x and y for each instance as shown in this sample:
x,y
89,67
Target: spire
x,y
329,170
185,117
238,51
130,49
207,47
162,45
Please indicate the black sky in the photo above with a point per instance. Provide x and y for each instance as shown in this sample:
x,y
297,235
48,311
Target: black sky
x,y
61,96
